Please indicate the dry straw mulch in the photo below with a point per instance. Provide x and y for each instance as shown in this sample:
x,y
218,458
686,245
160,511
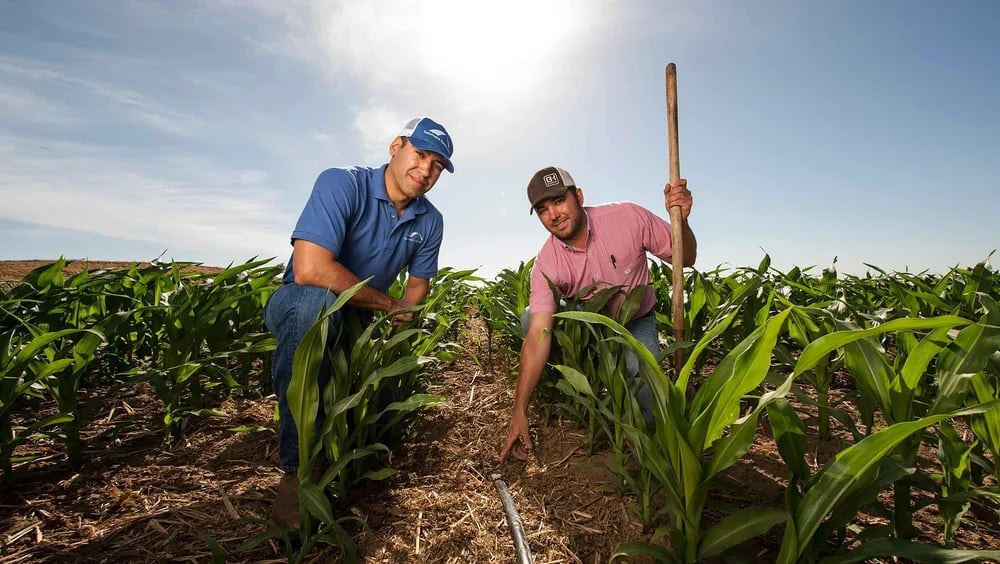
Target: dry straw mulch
x,y
138,501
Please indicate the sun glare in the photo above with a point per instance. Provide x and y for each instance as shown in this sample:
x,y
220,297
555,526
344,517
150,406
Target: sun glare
x,y
467,48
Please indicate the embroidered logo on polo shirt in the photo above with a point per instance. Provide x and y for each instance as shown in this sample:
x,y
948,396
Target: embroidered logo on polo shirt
x,y
415,237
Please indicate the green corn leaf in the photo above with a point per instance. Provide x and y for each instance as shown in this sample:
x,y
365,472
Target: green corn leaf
x,y
401,366
790,436
270,533
303,391
710,336
920,357
697,298
630,306
644,548
335,535
899,548
400,408
576,379
86,347
400,337
731,447
987,425
818,349
313,499
413,403
380,474
342,462
844,474
183,372
716,405
51,276
738,527
218,554
867,362
888,472
56,419
966,356
35,346
53,367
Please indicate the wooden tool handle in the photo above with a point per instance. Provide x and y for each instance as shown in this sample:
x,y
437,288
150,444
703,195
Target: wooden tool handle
x,y
676,221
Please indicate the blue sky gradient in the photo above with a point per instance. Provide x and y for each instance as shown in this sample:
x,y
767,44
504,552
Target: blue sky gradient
x,y
865,131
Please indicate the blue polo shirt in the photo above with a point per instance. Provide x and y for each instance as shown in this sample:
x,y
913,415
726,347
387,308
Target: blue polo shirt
x,y
350,215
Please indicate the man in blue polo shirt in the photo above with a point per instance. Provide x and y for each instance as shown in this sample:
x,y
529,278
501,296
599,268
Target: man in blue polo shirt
x,y
359,222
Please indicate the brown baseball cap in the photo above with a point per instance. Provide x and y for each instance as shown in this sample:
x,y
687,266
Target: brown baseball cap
x,y
548,182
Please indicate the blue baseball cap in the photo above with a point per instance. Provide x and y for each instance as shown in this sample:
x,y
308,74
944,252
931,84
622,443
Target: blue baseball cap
x,y
430,135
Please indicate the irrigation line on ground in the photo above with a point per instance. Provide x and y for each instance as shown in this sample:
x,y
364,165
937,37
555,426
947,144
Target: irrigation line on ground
x,y
513,521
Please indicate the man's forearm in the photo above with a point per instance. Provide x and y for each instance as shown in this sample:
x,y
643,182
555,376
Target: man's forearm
x,y
534,353
416,290
338,279
690,244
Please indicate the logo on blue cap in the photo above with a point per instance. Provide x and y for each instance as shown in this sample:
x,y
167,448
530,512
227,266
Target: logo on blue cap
x,y
429,135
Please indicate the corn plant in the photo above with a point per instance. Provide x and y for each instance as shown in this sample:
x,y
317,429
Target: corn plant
x,y
203,325
898,387
688,448
501,303
452,294
804,326
987,426
956,479
820,506
352,393
63,387
693,442
709,295
23,365
305,394
711,298
585,349
852,478
46,304
596,388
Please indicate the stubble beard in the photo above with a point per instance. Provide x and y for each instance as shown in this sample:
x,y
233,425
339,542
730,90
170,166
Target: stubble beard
x,y
575,227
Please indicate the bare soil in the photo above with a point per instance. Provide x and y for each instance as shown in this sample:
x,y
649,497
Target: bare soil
x,y
137,500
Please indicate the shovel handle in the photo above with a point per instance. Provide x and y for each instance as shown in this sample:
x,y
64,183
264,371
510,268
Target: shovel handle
x,y
676,221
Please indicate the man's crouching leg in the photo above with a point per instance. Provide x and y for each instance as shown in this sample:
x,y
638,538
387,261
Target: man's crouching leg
x,y
644,330
290,312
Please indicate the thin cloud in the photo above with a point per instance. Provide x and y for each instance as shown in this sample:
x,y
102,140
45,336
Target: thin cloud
x,y
487,68
21,104
105,101
140,198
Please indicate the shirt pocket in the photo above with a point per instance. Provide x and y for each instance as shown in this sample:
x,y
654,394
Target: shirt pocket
x,y
632,264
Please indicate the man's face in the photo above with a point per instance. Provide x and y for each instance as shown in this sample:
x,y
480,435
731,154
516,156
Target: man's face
x,y
563,215
414,170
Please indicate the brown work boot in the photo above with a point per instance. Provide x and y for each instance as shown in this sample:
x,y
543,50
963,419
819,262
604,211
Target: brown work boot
x,y
286,504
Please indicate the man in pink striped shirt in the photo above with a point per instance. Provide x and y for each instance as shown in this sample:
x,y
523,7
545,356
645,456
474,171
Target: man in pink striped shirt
x,y
602,245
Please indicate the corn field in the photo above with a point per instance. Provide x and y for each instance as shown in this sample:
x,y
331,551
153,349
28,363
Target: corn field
x,y
919,354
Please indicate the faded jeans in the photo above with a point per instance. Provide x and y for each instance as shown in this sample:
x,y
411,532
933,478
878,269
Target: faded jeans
x,y
644,330
289,313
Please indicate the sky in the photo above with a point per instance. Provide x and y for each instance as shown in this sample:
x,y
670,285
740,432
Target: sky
x,y
851,131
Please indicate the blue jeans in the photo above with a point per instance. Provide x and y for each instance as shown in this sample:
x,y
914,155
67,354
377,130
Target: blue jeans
x,y
644,330
288,314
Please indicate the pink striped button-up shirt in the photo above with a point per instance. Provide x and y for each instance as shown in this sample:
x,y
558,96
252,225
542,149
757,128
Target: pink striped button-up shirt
x,y
620,235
